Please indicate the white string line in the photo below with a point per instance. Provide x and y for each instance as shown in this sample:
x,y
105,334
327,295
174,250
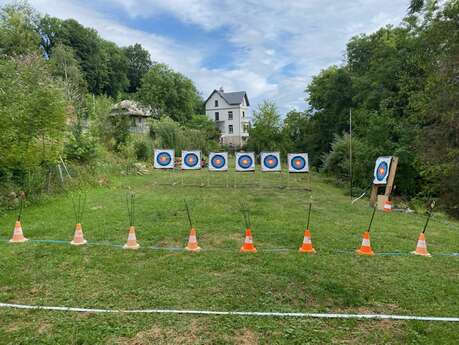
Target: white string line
x,y
232,313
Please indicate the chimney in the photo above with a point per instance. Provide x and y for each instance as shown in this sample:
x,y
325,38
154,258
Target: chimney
x,y
221,89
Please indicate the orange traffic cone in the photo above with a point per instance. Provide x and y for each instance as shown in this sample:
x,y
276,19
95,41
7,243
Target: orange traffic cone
x,y
78,238
387,206
18,236
132,240
192,245
421,247
365,249
248,246
307,247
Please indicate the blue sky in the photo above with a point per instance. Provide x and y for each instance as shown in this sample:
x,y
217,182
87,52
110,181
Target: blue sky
x,y
269,48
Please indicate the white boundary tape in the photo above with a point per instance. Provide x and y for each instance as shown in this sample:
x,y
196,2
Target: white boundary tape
x,y
233,313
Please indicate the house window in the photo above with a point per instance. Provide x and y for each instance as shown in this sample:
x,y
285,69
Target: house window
x,y
230,129
230,115
243,114
217,116
246,127
216,103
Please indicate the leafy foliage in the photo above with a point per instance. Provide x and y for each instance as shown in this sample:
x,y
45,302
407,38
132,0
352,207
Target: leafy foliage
x,y
33,113
139,62
18,29
401,83
266,131
168,133
169,93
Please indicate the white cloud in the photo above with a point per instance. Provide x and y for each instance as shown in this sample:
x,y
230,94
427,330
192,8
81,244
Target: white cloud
x,y
301,36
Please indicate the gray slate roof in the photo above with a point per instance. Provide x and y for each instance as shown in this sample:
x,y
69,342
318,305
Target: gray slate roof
x,y
232,98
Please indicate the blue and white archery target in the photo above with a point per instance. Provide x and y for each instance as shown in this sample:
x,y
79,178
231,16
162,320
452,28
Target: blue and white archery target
x,y
245,161
191,160
298,162
382,168
164,159
270,161
218,161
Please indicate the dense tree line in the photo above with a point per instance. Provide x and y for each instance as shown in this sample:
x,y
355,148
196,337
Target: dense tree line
x,y
106,69
402,86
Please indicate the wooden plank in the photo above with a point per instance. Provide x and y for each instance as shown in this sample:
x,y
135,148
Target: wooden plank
x,y
391,178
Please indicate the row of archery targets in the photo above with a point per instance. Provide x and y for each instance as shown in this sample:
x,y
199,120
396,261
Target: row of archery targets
x,y
219,161
221,165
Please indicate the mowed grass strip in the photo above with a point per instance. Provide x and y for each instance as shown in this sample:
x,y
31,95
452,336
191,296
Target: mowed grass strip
x,y
278,278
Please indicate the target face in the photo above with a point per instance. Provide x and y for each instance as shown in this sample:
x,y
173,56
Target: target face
x,y
164,159
191,160
298,162
218,161
270,161
245,161
381,172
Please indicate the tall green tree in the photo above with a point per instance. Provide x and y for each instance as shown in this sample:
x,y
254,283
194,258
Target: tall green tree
x,y
265,134
65,66
330,97
169,93
18,29
49,29
139,62
117,68
437,108
87,46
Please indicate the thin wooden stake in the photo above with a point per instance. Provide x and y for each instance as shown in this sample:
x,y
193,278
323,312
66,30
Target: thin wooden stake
x,y
309,215
371,220
188,214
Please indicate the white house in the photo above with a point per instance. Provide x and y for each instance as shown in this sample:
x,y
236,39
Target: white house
x,y
230,111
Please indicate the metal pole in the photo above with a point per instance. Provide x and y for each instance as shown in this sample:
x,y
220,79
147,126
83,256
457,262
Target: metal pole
x,y
350,153
188,213
372,216
427,222
309,215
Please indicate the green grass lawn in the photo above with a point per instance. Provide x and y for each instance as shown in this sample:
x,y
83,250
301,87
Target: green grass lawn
x,y
277,278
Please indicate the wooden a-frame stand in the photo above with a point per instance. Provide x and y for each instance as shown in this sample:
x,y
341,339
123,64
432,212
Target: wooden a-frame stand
x,y
389,185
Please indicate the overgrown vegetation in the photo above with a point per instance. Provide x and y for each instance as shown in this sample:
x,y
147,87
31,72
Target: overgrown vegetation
x,y
59,82
402,87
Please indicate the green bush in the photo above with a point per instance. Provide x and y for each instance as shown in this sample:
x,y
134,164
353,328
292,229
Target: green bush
x,y
336,162
141,150
167,133
81,147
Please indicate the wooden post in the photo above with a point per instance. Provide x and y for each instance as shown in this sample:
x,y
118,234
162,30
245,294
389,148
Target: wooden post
x,y
391,178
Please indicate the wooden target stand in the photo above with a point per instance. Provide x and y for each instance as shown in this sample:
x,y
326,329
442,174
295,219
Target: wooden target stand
x,y
176,176
380,199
